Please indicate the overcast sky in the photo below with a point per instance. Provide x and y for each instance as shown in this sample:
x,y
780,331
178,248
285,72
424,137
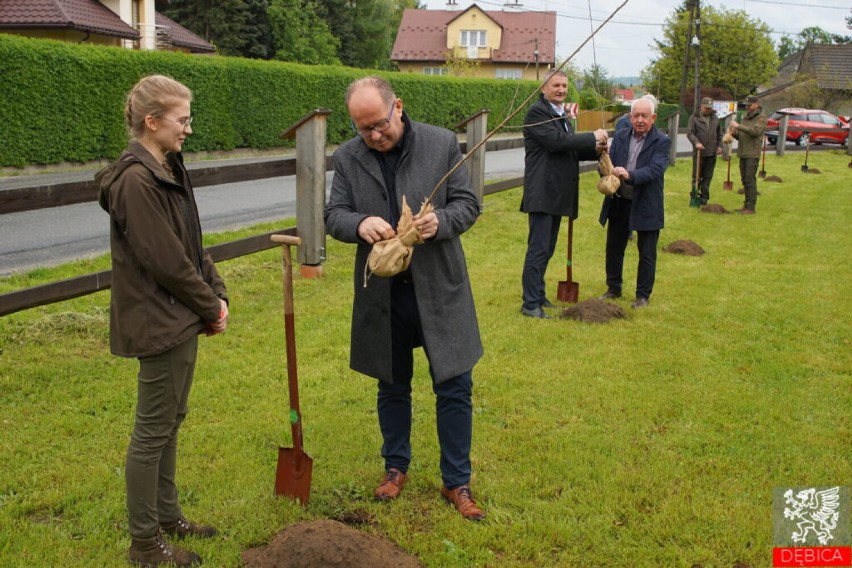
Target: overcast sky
x,y
623,45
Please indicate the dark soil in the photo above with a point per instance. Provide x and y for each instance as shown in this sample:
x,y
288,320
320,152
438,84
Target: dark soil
x,y
714,208
812,171
326,543
594,311
773,178
688,248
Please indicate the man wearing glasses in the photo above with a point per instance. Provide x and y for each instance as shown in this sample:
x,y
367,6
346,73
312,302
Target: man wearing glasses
x,y
428,305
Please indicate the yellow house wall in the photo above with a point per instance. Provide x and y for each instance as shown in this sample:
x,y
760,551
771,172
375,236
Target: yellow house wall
x,y
484,70
474,19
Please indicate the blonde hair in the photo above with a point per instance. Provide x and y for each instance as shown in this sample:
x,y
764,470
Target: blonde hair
x,y
153,95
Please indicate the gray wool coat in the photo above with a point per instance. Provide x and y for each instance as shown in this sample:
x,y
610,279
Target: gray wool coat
x,y
444,298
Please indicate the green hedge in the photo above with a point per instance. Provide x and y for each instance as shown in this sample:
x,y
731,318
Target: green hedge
x,y
65,102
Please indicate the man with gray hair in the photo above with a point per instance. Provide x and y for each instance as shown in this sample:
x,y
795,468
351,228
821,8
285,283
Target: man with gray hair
x,y
704,132
640,156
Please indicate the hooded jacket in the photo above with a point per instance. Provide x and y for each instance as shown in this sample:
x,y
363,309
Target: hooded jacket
x,y
165,287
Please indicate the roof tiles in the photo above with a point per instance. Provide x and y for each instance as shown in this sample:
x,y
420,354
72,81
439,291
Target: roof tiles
x,y
83,15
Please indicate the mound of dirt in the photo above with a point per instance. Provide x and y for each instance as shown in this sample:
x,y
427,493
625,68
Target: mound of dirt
x,y
812,171
594,311
688,248
326,543
776,179
714,208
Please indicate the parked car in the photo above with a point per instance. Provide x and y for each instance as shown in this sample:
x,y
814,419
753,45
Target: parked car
x,y
801,123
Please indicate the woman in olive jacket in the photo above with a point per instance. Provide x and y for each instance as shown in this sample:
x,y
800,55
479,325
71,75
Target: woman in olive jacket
x,y
165,291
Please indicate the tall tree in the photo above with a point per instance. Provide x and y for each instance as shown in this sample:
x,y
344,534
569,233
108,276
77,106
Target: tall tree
x,y
221,22
259,41
300,34
814,34
736,54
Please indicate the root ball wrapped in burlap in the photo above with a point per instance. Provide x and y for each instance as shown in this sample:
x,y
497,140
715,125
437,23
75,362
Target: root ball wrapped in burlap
x,y
728,138
609,183
390,257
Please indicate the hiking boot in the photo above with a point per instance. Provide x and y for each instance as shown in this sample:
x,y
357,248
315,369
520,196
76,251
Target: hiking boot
x,y
156,551
391,485
183,527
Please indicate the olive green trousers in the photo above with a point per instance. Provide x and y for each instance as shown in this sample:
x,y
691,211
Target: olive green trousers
x,y
163,390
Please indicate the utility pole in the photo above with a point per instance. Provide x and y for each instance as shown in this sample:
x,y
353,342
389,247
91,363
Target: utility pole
x,y
536,58
687,42
696,41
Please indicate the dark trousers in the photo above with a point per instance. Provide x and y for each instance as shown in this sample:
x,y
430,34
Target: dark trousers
x,y
748,175
163,391
453,406
708,166
541,242
617,234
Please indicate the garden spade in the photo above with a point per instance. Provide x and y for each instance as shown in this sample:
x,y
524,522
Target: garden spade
x,y
728,184
293,475
762,173
568,290
807,151
694,199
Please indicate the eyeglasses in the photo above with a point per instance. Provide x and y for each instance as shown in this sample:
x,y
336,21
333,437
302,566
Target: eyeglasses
x,y
380,127
184,122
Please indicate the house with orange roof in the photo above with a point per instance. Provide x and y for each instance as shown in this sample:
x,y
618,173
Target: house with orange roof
x,y
476,42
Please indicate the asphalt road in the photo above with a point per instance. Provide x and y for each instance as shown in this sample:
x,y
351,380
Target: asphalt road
x,y
47,237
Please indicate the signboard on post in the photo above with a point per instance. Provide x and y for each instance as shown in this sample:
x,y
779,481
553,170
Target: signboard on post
x,y
724,108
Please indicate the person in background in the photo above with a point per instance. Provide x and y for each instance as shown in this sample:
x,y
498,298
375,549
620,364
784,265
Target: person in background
x,y
165,292
749,135
640,157
704,132
428,305
551,182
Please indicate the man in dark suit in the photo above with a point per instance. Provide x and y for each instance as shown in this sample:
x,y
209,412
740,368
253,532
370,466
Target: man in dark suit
x,y
640,156
430,304
551,182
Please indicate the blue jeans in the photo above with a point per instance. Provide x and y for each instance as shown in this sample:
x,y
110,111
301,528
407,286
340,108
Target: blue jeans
x,y
453,405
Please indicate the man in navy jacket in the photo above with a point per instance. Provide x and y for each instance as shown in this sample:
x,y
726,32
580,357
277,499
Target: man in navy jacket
x,y
640,156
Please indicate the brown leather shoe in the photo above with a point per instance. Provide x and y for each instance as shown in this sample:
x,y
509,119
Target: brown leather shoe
x,y
392,485
461,498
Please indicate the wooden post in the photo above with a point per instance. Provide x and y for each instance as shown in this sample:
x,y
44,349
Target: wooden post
x,y
726,148
310,133
781,141
671,130
477,126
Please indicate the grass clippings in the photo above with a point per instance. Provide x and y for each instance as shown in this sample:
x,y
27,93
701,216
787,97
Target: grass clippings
x,y
714,208
685,247
594,311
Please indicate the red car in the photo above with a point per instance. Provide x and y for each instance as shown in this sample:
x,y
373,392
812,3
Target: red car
x,y
801,123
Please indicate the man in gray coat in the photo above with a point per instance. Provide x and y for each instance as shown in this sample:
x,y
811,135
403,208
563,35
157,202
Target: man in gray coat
x,y
428,305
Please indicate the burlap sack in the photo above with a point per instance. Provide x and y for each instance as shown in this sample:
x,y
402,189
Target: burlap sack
x,y
390,257
728,138
609,183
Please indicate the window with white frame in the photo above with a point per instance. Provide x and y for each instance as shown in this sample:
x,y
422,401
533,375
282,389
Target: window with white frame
x,y
505,73
434,70
472,38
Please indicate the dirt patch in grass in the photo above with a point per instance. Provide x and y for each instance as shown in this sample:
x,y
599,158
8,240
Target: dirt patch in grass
x,y
774,179
328,543
812,171
687,247
594,311
714,208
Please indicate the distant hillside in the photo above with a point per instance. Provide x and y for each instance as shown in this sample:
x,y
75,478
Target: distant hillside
x,y
627,81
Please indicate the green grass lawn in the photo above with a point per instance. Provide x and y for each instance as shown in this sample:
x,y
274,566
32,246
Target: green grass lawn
x,y
651,441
